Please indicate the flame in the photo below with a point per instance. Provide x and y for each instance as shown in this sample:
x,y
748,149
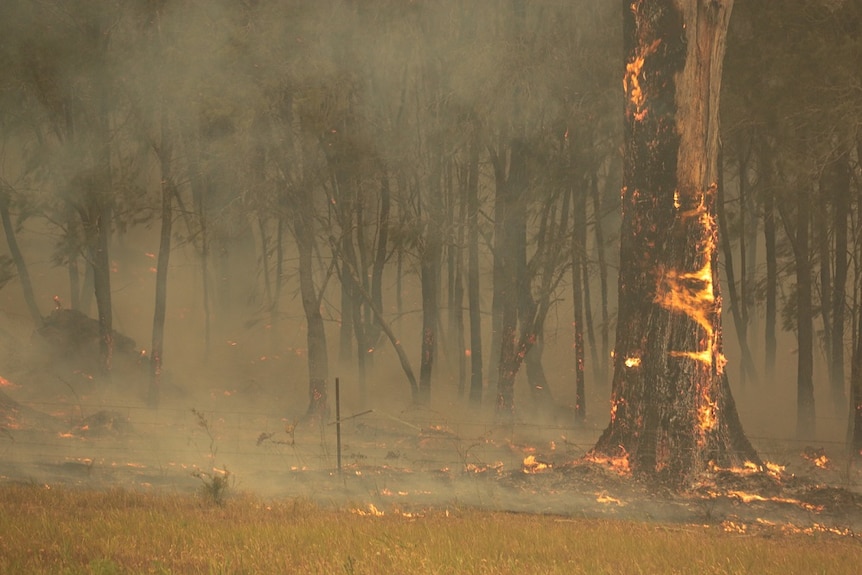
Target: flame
x,y
531,465
372,511
631,79
603,497
693,293
749,497
633,361
619,464
817,457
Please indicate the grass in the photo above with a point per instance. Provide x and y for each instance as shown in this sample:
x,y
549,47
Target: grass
x,y
67,531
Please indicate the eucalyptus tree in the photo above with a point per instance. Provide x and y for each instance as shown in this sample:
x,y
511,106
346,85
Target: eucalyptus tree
x,y
672,409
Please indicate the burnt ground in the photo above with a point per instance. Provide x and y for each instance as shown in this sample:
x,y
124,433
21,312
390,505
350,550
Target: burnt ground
x,y
59,425
389,462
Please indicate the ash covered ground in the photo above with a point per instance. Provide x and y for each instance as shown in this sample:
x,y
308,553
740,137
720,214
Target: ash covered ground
x,y
60,425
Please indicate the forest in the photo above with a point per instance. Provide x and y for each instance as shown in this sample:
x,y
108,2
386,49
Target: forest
x,y
420,198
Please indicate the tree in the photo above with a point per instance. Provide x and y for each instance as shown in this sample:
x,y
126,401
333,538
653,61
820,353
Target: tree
x,y
672,409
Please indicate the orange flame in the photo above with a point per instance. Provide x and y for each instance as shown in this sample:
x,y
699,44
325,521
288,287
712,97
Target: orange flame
x,y
531,465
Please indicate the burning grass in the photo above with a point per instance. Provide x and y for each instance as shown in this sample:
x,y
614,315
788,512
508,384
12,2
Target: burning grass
x,y
60,530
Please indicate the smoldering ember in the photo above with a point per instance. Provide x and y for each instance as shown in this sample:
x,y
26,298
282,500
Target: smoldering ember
x,y
589,259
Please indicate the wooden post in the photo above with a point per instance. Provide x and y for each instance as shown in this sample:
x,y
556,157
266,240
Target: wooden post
x,y
338,425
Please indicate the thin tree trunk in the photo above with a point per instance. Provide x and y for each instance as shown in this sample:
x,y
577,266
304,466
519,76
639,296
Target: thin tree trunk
x,y
160,307
603,278
318,359
805,422
824,248
18,259
841,194
476,376
770,341
735,303
578,236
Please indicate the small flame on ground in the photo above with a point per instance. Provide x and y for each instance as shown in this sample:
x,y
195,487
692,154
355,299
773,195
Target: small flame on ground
x,y
633,361
619,464
531,465
603,497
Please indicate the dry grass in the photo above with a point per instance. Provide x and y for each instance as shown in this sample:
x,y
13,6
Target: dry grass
x,y
67,531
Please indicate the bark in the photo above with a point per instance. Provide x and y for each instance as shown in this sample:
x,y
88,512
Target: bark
x,y
431,260
824,249
18,259
318,359
672,409
603,278
770,342
160,307
854,429
349,275
456,217
805,423
736,304
578,239
476,377
512,229
841,195
198,229
96,221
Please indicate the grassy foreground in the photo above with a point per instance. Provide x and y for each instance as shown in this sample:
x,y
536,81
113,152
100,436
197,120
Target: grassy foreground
x,y
66,531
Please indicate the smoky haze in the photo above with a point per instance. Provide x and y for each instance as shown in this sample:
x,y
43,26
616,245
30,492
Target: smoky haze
x,y
261,110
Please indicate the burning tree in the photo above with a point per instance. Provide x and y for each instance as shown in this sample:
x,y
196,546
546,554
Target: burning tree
x,y
672,411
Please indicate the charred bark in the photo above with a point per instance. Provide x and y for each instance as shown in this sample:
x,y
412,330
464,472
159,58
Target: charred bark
x,y
476,376
18,259
841,195
160,306
770,341
672,409
318,359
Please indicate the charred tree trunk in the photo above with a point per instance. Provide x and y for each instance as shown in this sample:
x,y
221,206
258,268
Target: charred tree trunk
x,y
456,221
854,428
672,409
805,423
740,323
160,307
604,353
431,259
96,217
18,259
841,194
579,236
770,342
512,226
476,376
318,359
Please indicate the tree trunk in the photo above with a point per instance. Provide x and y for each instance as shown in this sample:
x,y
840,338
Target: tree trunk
x,y
476,376
512,226
160,307
318,359
579,236
736,305
672,410
603,279
18,258
96,221
770,342
841,194
805,426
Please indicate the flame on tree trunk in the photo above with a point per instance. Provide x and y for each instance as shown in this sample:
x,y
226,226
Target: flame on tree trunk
x,y
672,411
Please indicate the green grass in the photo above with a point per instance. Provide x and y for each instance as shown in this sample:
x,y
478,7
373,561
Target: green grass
x,y
67,531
